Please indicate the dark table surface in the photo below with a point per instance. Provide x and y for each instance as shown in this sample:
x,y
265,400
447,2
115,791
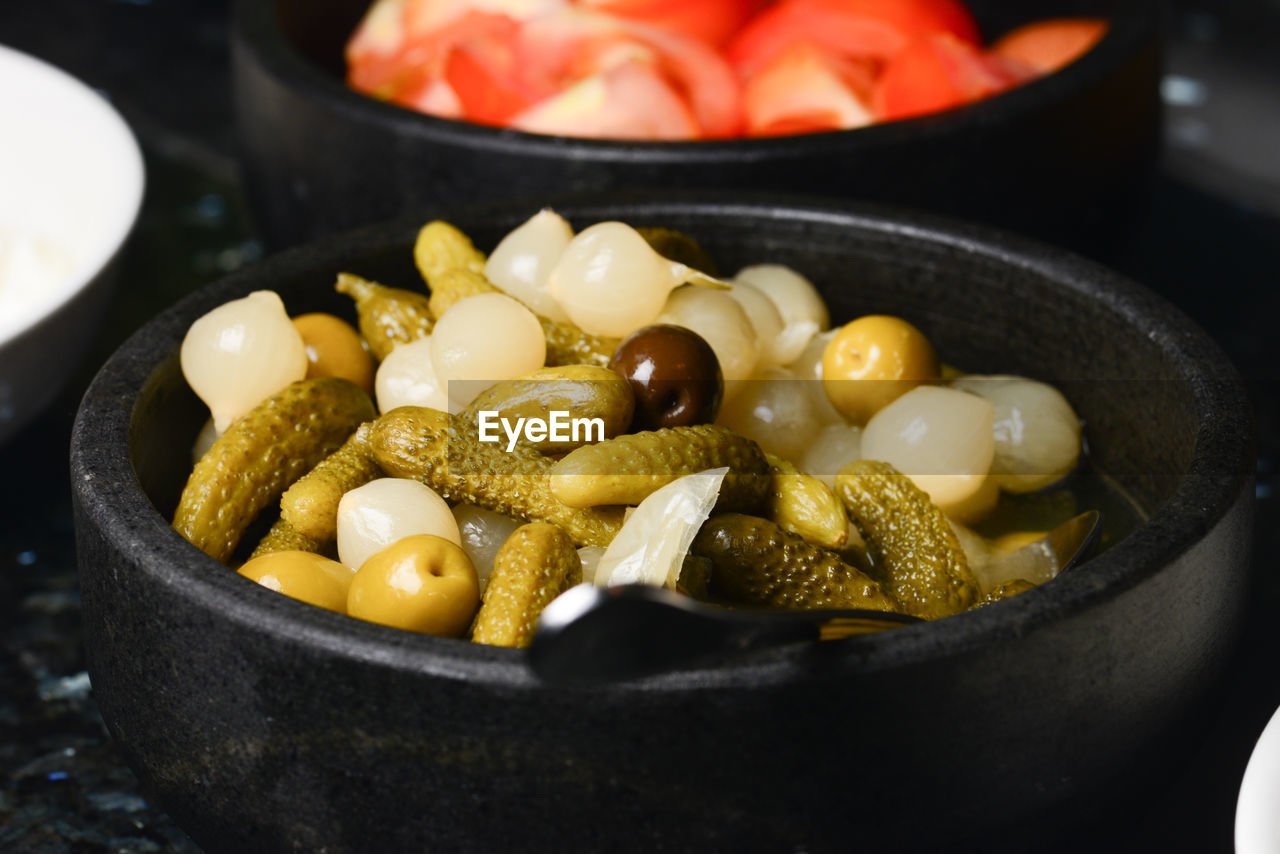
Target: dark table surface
x,y
1211,245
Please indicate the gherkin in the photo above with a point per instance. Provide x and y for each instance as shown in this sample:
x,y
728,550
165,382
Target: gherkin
x,y
536,564
914,552
387,316
310,506
260,454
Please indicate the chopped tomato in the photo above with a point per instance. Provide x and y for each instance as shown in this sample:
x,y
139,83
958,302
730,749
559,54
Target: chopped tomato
x,y
628,101
489,92
805,89
1046,46
712,21
874,29
939,72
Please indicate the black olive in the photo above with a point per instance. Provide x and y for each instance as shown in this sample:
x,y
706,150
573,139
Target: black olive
x,y
675,375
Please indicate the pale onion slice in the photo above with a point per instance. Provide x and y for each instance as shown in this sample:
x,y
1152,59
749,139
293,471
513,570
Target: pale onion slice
x,y
523,260
590,557
651,545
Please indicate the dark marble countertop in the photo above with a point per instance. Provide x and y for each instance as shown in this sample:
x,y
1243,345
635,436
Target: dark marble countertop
x,y
1211,246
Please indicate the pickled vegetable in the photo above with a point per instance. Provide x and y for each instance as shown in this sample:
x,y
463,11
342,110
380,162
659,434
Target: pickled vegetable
x,y
388,316
421,583
310,505
537,564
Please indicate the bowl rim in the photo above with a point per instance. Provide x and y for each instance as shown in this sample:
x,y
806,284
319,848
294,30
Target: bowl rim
x,y
256,33
110,498
85,101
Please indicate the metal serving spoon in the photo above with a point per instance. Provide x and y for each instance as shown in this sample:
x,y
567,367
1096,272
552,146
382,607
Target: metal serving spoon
x,y
604,634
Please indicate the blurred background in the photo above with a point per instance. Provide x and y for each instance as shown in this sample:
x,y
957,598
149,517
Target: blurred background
x,y
1210,244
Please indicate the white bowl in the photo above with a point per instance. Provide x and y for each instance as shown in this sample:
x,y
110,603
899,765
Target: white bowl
x,y
1258,808
71,180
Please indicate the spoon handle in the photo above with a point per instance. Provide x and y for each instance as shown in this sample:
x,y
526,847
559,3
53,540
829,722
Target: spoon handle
x,y
592,634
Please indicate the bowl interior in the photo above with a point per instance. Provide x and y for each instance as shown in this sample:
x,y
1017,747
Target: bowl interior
x,y
72,181
1164,413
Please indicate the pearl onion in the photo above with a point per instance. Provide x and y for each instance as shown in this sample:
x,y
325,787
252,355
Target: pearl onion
x,y
834,447
611,282
1037,433
775,411
204,441
241,353
482,340
483,532
797,300
407,377
720,320
941,437
522,262
374,516
765,320
808,367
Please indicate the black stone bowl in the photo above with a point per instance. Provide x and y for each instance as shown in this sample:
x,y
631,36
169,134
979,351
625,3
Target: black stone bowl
x,y
263,723
1067,158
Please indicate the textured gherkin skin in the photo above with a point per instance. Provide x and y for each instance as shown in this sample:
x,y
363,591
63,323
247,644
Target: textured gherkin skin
x,y
536,564
755,562
680,247
630,468
586,391
915,552
441,247
263,452
445,454
387,316
449,286
310,506
804,505
283,538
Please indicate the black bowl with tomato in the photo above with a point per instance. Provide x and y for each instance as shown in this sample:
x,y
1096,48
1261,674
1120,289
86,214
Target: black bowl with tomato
x,y
1066,157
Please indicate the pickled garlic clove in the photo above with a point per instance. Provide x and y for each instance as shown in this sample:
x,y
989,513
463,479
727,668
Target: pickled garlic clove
x,y
774,409
241,353
483,532
940,437
723,323
383,511
651,545
610,281
1037,433
407,377
482,340
523,260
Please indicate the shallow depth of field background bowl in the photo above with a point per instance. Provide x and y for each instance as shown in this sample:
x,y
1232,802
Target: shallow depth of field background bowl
x,y
71,174
1066,158
261,723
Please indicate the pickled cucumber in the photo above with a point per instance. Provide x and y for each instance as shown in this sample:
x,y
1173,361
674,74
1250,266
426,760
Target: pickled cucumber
x,y
281,537
443,452
263,452
914,552
449,286
535,565
581,391
441,247
387,316
310,506
630,468
1004,591
804,505
755,562
679,247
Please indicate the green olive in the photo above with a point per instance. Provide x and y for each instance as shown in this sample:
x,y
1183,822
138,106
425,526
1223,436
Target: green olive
x,y
307,576
873,361
422,583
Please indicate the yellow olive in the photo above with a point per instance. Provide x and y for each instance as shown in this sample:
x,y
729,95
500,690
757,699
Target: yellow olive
x,y
422,583
874,360
306,576
334,349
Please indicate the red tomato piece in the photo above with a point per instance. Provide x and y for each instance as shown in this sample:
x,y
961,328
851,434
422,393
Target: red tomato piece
x,y
712,21
1046,46
631,100
804,89
875,29
939,72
